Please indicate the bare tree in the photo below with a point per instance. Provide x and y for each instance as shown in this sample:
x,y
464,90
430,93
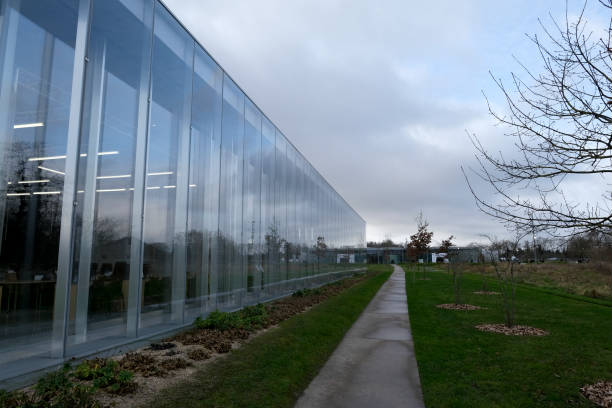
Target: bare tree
x,y
453,262
502,255
561,124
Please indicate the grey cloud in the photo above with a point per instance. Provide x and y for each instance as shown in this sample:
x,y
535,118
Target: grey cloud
x,y
375,94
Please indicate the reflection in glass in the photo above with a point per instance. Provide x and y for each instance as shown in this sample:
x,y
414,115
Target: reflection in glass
x,y
202,221
251,199
231,258
268,234
187,197
119,59
38,40
163,270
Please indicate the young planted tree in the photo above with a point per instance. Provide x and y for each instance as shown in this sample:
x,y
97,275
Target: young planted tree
x,y
445,246
454,263
502,255
421,240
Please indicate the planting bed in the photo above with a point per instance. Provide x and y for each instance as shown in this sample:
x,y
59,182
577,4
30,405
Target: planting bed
x,y
600,393
130,379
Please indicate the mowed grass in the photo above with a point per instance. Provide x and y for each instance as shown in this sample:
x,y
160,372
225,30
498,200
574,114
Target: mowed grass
x,y
463,367
273,369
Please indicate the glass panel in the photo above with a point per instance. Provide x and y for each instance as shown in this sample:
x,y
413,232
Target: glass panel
x,y
280,213
251,200
119,61
230,211
290,244
202,220
164,225
37,40
269,235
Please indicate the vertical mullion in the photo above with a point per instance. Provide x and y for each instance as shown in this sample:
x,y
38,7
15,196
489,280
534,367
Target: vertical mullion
x,y
10,18
89,199
140,165
214,272
64,266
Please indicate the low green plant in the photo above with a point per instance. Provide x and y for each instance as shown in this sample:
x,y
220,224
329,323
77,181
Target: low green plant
x,y
310,292
248,318
219,320
54,390
254,317
106,374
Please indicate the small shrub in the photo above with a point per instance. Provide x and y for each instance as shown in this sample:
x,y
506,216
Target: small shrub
x,y
198,354
145,365
223,347
254,317
310,292
54,390
107,375
299,293
172,364
220,321
248,318
15,399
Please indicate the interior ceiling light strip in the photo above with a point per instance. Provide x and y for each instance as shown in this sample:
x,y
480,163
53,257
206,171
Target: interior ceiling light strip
x,y
46,158
114,177
46,192
169,186
110,190
160,173
102,153
17,194
42,158
51,170
153,188
33,181
28,125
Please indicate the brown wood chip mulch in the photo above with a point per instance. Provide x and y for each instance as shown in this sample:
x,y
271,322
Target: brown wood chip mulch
x,y
600,393
516,330
454,306
486,292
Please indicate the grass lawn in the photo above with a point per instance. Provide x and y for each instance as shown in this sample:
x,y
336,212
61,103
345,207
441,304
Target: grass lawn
x,y
593,279
462,367
274,368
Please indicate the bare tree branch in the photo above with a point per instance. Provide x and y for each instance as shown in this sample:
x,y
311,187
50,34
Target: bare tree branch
x,y
561,123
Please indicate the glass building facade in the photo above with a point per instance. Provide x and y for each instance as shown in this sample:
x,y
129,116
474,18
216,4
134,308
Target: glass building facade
x,y
140,187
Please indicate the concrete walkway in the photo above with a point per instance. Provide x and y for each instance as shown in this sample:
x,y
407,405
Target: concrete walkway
x,y
374,365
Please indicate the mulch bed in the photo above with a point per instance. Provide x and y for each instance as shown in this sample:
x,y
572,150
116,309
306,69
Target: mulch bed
x,y
486,292
516,330
221,341
178,357
455,306
599,393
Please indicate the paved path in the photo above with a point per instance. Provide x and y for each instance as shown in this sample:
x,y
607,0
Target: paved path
x,y
374,365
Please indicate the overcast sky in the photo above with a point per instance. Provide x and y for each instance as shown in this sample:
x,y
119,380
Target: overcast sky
x,y
378,94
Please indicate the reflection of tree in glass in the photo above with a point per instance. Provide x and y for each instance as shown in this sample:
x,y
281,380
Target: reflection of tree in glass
x,y
320,249
29,237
